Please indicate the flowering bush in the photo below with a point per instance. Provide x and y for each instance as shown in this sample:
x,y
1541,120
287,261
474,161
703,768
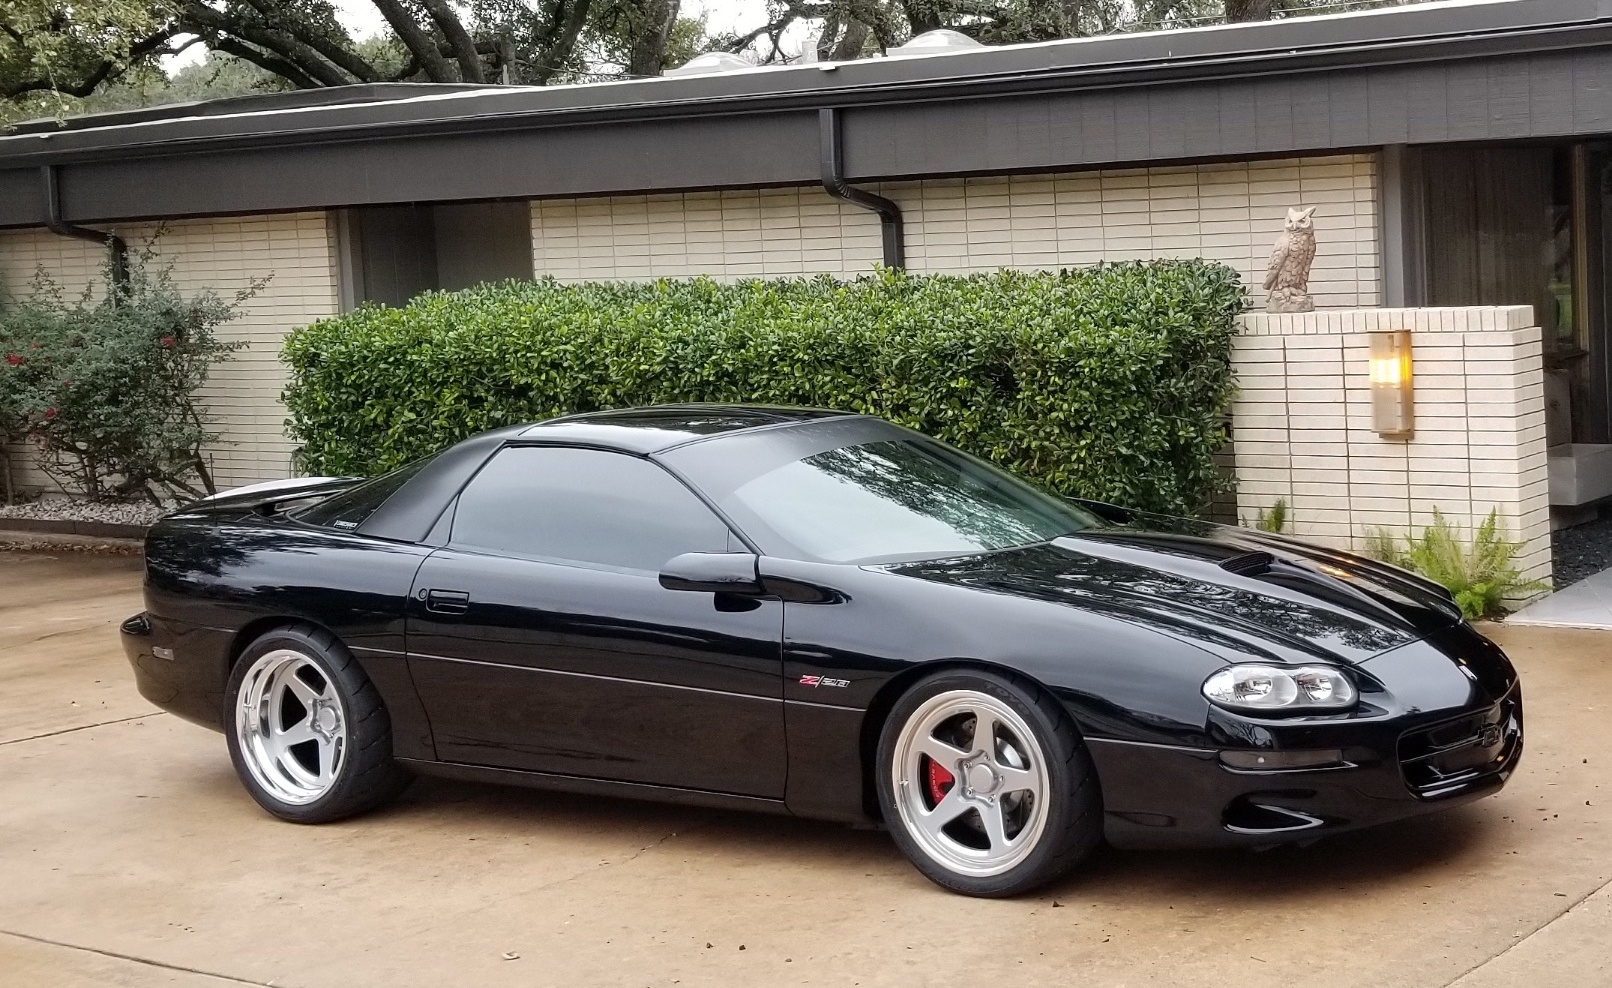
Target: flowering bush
x,y
21,328
104,386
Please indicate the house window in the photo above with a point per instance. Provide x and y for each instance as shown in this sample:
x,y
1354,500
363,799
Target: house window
x,y
389,254
1522,226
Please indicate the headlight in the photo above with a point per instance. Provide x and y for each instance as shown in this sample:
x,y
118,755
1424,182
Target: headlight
x,y
1262,689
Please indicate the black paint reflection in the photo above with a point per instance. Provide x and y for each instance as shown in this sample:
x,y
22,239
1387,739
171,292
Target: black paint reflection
x,y
928,487
892,500
592,671
225,574
1200,608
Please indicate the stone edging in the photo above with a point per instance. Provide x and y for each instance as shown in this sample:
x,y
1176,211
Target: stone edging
x,y
86,529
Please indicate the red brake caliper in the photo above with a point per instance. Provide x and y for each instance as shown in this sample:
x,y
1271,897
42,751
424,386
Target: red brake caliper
x,y
940,782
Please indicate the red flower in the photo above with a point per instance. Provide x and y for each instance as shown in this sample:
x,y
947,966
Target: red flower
x,y
167,341
14,360
50,413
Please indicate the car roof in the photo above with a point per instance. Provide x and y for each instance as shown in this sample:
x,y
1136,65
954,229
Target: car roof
x,y
411,512
660,427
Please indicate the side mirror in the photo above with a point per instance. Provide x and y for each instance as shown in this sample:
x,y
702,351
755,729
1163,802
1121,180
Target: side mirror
x,y
713,572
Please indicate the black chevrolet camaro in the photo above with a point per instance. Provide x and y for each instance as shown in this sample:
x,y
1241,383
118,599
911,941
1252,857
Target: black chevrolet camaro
x,y
821,614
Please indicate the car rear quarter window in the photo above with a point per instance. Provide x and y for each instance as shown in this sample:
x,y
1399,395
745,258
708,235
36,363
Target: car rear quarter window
x,y
347,509
583,506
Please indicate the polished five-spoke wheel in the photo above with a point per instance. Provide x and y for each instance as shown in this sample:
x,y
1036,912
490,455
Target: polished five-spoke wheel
x,y
290,726
985,784
971,785
307,731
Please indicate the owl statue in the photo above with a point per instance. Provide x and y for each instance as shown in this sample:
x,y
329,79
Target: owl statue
x,y
1288,276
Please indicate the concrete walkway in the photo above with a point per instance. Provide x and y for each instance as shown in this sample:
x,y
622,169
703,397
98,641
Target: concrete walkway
x,y
129,855
1585,604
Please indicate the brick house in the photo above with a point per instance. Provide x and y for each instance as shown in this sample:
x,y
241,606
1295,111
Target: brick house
x,y
1456,155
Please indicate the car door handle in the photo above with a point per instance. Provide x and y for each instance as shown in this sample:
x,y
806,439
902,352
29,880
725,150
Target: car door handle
x,y
447,601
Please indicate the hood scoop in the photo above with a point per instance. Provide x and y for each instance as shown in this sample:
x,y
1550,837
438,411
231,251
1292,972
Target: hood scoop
x,y
1248,563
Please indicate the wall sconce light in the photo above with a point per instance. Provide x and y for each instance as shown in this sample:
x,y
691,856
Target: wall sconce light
x,y
1392,411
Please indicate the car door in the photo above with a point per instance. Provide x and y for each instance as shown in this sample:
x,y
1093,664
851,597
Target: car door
x,y
541,639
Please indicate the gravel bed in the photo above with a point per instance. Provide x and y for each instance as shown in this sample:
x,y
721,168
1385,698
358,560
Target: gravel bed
x,y
73,509
92,548
1581,551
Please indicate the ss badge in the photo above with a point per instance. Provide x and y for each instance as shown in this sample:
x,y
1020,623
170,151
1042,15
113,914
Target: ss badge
x,y
823,681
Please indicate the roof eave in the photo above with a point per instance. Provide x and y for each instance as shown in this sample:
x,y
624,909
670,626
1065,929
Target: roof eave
x,y
1297,46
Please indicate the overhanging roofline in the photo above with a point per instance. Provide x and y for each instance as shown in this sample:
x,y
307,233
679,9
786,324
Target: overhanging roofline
x,y
1513,69
369,92
1380,37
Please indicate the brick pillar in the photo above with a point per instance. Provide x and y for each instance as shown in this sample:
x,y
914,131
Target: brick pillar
x,y
1302,425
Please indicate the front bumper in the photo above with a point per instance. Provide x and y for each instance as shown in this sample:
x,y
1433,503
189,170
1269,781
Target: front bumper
x,y
1445,728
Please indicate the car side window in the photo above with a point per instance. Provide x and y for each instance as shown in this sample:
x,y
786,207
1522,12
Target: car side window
x,y
583,506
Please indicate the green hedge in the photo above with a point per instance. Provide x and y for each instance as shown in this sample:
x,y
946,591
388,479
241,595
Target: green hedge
x,y
1107,382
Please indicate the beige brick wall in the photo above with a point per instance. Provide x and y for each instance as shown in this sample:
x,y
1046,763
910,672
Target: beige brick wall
x,y
292,250
1302,425
733,234
1226,212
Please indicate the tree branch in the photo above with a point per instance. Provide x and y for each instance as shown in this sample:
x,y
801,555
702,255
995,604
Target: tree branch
x,y
266,61
337,54
923,15
203,19
773,30
562,41
147,47
458,38
647,46
551,23
419,44
411,68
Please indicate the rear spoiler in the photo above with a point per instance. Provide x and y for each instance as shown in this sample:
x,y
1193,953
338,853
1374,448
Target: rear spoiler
x,y
265,498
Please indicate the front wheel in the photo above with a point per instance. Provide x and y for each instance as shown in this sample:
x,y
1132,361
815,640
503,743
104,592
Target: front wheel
x,y
308,733
985,785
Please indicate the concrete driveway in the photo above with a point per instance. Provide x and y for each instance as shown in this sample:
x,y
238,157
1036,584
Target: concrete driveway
x,y
129,855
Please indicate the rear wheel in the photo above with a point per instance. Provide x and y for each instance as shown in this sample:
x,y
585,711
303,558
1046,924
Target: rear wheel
x,y
985,784
308,733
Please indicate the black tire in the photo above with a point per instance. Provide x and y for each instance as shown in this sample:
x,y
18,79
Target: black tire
x,y
366,776
1072,826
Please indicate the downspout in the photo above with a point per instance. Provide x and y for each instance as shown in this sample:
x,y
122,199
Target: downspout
x,y
55,224
890,223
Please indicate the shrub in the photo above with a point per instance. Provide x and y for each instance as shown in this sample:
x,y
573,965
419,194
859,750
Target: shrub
x,y
105,385
1479,574
1104,383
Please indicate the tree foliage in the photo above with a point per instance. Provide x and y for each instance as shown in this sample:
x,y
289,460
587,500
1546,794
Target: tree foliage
x,y
70,50
52,51
854,28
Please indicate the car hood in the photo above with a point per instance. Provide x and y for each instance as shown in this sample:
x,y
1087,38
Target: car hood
x,y
1235,591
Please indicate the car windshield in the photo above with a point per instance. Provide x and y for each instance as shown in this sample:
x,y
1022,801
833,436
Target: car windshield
x,y
897,499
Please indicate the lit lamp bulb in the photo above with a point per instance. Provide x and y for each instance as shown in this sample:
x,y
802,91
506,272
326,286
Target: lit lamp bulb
x,y
1391,408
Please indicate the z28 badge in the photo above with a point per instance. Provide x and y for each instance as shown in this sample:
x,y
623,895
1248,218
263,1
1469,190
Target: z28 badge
x,y
823,681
